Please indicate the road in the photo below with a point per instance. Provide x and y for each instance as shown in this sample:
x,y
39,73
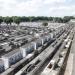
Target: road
x,y
73,52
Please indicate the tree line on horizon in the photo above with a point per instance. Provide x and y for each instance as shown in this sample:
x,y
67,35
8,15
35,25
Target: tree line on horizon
x,y
18,19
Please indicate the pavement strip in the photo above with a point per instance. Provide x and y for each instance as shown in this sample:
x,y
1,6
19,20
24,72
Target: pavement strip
x,y
69,66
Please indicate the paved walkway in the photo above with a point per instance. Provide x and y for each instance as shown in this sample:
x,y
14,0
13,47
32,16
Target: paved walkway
x,y
69,67
73,52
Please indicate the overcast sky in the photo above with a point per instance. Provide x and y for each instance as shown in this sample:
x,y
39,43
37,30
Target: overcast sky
x,y
37,7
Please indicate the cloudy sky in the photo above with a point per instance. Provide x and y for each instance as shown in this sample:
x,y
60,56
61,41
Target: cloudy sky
x,y
37,7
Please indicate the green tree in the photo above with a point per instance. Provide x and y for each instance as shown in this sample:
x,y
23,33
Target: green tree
x,y
8,20
1,20
45,24
24,19
17,20
67,18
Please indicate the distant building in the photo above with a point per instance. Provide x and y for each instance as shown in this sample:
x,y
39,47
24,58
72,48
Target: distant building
x,y
72,20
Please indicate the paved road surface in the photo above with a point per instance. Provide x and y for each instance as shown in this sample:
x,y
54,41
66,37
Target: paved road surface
x,y
73,52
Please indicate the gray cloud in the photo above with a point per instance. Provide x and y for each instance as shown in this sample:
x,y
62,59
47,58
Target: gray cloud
x,y
37,7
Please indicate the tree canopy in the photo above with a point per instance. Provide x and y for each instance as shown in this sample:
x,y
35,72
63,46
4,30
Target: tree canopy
x,y
18,19
1,19
7,20
45,24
